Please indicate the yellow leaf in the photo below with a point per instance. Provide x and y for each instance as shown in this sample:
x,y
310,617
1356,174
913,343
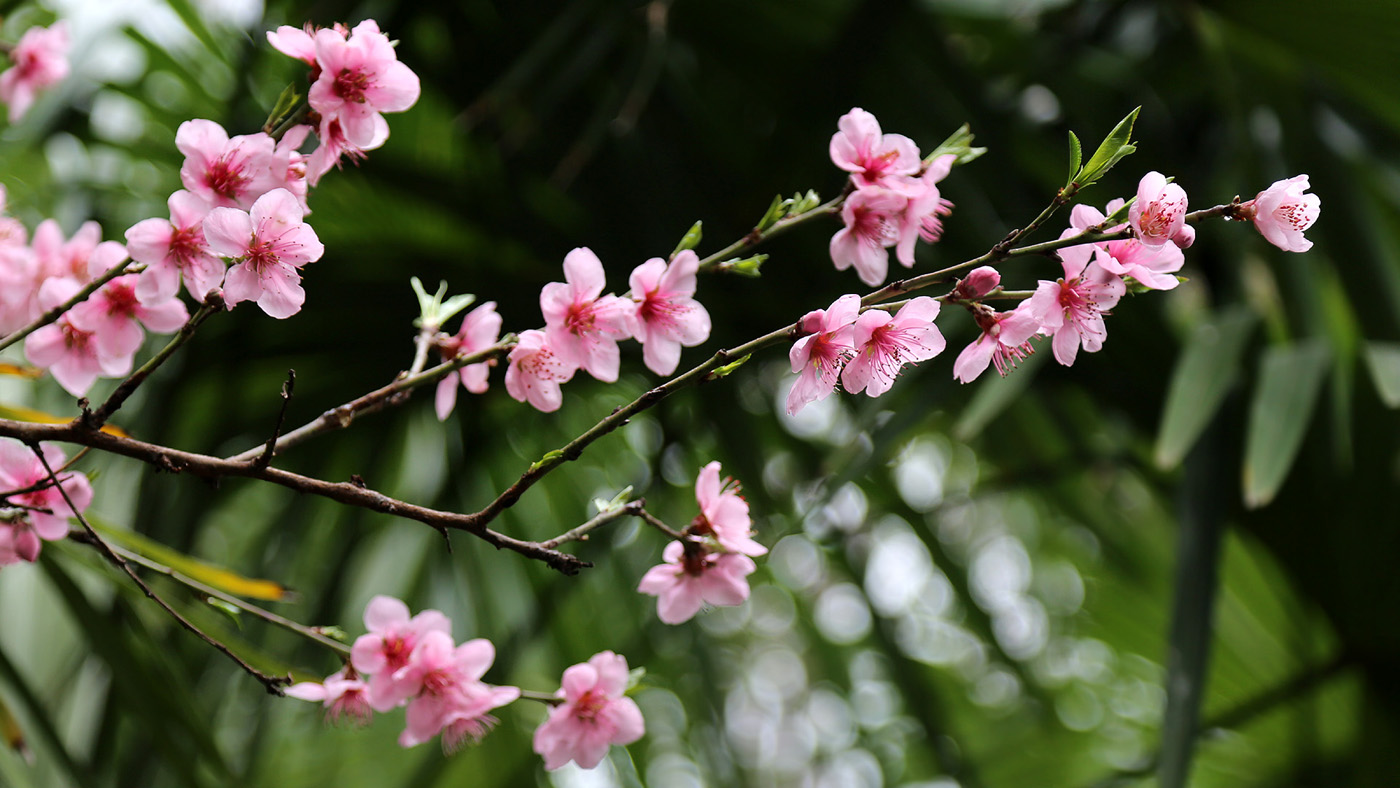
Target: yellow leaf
x,y
218,577
21,413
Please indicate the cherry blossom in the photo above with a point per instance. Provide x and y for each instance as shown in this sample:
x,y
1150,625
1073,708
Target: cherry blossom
x,y
224,172
45,512
344,693
270,243
594,716
480,330
1004,341
1282,212
114,316
335,145
872,158
977,284
290,165
667,315
174,249
926,206
1071,309
449,694
691,577
386,649
818,357
724,514
583,325
535,371
360,77
69,349
40,59
80,259
873,218
1151,266
885,343
1159,213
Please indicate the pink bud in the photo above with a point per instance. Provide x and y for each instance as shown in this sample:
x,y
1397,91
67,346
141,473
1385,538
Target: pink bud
x,y
978,283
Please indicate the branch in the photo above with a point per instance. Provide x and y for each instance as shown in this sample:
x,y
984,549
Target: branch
x,y
579,534
756,236
272,683
265,459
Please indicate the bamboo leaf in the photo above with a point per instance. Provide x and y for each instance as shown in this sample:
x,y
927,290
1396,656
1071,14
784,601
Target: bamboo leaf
x,y
1383,359
1203,375
210,574
1290,379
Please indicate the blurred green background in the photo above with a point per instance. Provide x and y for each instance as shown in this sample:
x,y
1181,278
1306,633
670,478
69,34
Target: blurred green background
x,y
1181,547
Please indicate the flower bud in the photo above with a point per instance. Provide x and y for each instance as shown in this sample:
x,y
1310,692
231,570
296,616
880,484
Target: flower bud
x,y
977,284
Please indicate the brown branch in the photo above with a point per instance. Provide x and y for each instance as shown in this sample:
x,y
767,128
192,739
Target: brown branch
x,y
579,534
265,459
272,683
204,466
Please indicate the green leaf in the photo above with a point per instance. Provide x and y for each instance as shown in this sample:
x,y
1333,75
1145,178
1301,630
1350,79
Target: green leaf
x,y
750,267
1383,359
1203,375
549,457
209,574
690,240
286,104
1076,158
776,210
725,370
959,143
1290,378
1115,146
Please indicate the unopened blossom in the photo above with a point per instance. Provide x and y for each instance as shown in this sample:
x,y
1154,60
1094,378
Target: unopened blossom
x,y
582,324
344,694
667,315
386,648
1071,309
44,517
115,315
269,244
594,716
535,371
40,59
977,284
692,577
873,218
1153,267
818,357
448,694
361,76
480,330
724,514
227,172
1282,212
1159,213
175,249
68,348
872,158
1004,341
884,343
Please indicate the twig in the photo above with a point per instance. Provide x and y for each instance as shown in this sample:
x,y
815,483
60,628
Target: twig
x,y
579,534
95,419
57,312
266,458
755,237
542,697
272,683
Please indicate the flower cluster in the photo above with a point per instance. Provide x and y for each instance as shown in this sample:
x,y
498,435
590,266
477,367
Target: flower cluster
x,y
40,59
34,509
710,563
896,199
413,662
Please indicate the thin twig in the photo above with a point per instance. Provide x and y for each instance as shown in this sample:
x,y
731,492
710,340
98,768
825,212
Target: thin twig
x,y
656,523
579,534
95,419
81,296
266,458
756,236
272,683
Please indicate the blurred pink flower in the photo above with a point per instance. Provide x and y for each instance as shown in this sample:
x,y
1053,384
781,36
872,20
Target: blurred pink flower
x,y
449,694
386,649
872,158
724,514
345,698
71,352
595,714
40,59
46,511
691,577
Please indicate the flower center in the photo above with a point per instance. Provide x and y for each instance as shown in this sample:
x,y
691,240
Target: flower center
x,y
350,85
186,244
225,178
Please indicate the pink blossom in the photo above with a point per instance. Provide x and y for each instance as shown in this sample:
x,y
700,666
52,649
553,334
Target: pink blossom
x,y
583,325
1159,213
667,316
691,577
69,349
535,371
386,649
224,172
922,215
595,714
885,343
290,165
80,259
977,284
173,249
1072,309
450,696
40,59
335,145
114,316
817,358
19,284
1151,266
1005,341
724,514
344,693
873,217
360,77
1282,212
270,243
480,330
46,512
295,42
872,158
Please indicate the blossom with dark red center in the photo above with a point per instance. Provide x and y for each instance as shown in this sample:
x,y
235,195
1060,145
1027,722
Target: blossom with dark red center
x,y
1282,212
174,249
1071,309
667,315
269,243
40,59
447,691
818,357
884,343
594,716
582,324
872,158
692,577
1159,213
360,77
873,217
224,172
386,649
1004,342
344,693
535,371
